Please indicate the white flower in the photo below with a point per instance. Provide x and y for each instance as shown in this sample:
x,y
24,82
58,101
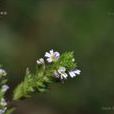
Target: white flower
x,y
2,72
74,73
3,102
60,73
4,88
2,111
40,61
52,56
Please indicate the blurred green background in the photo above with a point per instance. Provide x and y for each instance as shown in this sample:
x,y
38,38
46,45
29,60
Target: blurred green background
x,y
32,27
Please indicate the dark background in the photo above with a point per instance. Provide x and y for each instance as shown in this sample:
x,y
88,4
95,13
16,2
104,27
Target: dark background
x,y
31,27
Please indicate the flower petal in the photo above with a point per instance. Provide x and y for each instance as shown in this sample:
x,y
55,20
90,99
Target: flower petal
x,y
77,71
72,74
40,61
65,75
51,52
57,55
47,54
49,60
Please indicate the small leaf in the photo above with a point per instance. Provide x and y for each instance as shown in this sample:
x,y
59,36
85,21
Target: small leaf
x,y
18,93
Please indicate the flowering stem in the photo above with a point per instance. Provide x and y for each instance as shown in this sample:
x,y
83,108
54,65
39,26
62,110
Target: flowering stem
x,y
50,69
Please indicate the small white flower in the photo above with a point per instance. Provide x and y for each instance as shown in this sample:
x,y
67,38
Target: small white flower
x,y
60,73
2,72
3,102
40,61
4,88
2,111
74,73
52,56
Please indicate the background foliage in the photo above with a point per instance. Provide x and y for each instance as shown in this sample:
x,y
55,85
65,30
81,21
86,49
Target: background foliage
x,y
32,27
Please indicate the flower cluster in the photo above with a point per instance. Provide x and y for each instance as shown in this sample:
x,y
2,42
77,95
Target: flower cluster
x,y
3,89
53,67
61,72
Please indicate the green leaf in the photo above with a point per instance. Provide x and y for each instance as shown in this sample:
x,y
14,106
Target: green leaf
x,y
18,92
